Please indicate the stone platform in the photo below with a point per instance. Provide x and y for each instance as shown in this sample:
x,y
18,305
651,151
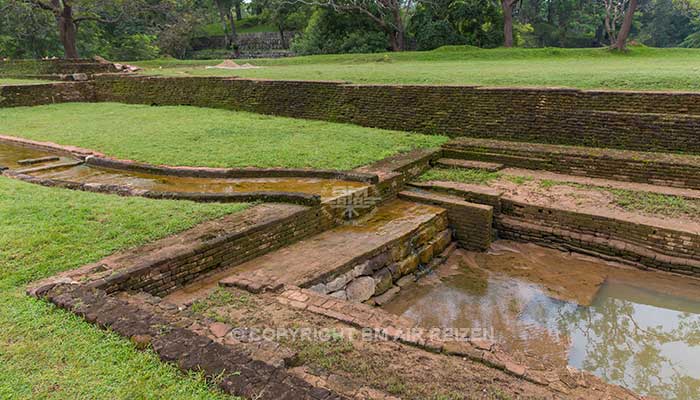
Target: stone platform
x,y
355,262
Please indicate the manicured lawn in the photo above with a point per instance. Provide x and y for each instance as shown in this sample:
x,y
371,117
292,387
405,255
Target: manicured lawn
x,y
208,137
49,353
640,68
9,81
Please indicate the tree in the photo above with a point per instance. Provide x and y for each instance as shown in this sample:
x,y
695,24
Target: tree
x,y
388,15
230,35
507,6
616,11
70,14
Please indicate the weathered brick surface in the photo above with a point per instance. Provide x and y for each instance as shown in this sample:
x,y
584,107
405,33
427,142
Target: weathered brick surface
x,y
234,371
163,266
639,244
612,119
54,67
626,120
659,169
49,93
472,223
617,239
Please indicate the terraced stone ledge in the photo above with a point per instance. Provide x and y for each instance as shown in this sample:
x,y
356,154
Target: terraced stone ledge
x,y
645,245
663,169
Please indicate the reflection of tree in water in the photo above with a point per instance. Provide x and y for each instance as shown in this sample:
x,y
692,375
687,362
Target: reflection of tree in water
x,y
620,350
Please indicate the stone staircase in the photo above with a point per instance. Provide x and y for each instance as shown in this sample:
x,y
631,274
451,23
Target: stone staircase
x,y
366,261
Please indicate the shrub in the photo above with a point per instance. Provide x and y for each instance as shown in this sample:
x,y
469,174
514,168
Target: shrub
x,y
135,47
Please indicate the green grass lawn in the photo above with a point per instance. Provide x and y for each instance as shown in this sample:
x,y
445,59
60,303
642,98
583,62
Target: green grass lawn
x,y
640,68
196,136
48,353
11,81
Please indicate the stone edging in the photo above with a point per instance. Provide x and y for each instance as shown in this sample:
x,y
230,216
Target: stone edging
x,y
234,371
95,158
243,197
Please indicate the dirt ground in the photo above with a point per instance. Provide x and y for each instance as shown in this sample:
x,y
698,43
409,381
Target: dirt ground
x,y
598,200
345,360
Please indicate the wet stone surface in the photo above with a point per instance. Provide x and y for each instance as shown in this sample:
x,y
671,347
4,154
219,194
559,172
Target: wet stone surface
x,y
326,188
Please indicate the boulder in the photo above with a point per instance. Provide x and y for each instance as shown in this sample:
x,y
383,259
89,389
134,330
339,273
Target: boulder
x,y
360,289
383,281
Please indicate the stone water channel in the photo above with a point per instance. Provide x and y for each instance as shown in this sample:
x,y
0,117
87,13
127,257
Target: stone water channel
x,y
549,309
21,159
638,329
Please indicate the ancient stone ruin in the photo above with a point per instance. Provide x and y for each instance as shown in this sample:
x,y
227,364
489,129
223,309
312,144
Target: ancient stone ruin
x,y
342,260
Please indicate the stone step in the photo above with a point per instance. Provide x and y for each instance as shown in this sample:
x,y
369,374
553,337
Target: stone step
x,y
482,165
356,262
673,170
40,160
471,222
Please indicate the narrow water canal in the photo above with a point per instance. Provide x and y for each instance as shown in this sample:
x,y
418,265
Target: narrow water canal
x,y
638,329
10,155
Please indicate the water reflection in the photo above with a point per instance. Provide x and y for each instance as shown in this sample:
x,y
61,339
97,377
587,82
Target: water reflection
x,y
634,328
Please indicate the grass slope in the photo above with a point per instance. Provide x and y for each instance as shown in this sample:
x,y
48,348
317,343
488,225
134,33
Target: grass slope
x,y
49,353
208,137
640,68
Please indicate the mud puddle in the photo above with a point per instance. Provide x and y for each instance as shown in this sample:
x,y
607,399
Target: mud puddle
x,y
638,329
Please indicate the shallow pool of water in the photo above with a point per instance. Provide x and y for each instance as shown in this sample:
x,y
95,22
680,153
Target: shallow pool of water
x,y
634,328
9,155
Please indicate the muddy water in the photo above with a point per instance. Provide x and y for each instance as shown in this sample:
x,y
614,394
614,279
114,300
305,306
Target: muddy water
x,y
326,188
634,328
9,155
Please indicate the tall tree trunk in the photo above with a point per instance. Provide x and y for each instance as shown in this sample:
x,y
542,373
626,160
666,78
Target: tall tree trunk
x,y
234,33
224,15
626,27
507,6
239,13
398,34
280,28
67,31
224,26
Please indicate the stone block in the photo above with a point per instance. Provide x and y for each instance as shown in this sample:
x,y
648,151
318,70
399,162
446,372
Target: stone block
x,y
361,289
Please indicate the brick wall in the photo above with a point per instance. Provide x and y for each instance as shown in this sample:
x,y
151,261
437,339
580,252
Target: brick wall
x,y
472,223
625,120
251,234
659,169
644,245
54,67
50,93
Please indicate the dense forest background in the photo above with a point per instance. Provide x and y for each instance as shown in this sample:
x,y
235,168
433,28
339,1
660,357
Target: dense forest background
x,y
147,29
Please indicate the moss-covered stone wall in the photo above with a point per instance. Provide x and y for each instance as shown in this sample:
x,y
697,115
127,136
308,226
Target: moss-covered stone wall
x,y
624,120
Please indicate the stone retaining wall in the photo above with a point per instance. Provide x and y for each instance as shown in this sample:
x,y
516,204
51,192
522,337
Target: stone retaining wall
x,y
614,239
472,223
375,280
247,42
48,93
194,254
641,121
610,119
55,67
658,169
608,238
